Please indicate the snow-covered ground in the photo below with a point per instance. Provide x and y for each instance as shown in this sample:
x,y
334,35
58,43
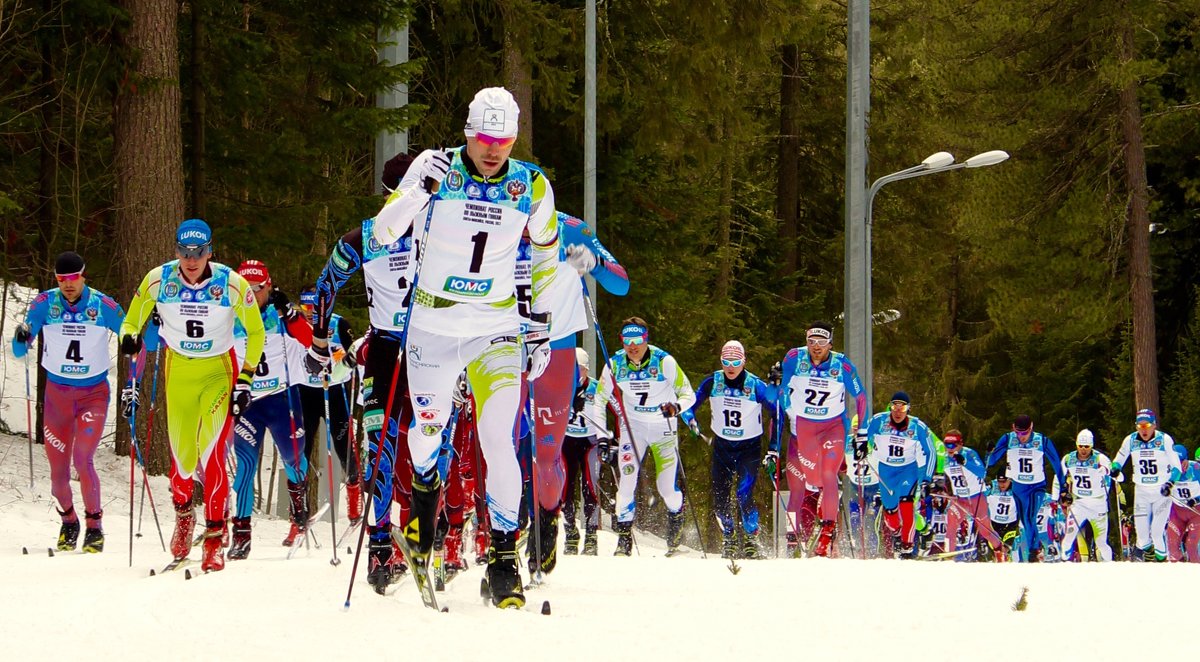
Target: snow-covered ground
x,y
604,608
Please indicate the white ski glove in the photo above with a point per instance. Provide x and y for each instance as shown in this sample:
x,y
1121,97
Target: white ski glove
x,y
537,350
581,259
434,170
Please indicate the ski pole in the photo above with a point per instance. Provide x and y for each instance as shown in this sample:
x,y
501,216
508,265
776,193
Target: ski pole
x,y
537,504
132,451
695,518
29,418
146,490
329,457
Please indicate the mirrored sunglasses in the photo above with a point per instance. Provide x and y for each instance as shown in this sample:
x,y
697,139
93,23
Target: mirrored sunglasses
x,y
67,278
193,250
636,340
1145,425
259,287
499,142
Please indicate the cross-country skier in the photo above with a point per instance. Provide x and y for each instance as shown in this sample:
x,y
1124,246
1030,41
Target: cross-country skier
x,y
387,272
583,254
900,449
1155,470
816,384
1085,495
1026,453
464,312
968,510
74,321
198,301
583,463
1183,529
274,407
648,389
738,398
312,400
1002,508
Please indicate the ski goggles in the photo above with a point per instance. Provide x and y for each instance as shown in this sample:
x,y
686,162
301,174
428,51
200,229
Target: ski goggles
x,y
634,334
492,140
193,250
1145,425
900,404
819,337
731,363
68,278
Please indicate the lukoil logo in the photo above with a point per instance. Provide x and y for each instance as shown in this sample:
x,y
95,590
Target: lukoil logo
x,y
471,287
192,234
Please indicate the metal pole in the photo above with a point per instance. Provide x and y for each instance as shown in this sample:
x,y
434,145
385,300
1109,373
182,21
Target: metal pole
x,y
589,155
856,303
393,50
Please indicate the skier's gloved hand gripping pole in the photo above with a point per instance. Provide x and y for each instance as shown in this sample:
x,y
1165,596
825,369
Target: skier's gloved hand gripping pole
x,y
430,182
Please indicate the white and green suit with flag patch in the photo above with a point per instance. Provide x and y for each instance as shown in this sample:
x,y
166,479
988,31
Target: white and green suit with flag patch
x,y
641,390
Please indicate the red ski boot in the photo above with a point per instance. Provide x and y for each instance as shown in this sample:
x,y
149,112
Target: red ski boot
x,y
181,539
214,553
825,539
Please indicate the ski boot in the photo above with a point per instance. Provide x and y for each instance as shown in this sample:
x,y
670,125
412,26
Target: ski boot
x,y
546,557
380,557
68,533
420,531
674,532
354,501
728,546
240,547
214,553
750,546
453,562
482,541
298,494
185,522
503,577
589,542
93,537
571,542
624,539
825,538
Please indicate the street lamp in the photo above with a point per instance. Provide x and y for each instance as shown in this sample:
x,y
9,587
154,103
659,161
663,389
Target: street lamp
x,y
933,164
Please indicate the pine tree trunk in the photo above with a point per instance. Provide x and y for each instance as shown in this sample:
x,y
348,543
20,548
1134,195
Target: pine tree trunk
x,y
787,186
518,74
148,145
1141,290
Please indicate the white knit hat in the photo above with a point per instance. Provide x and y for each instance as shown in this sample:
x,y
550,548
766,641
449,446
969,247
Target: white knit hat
x,y
733,350
494,112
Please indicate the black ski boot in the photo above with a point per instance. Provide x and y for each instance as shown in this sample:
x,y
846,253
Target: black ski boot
x,y
240,547
547,556
379,559
420,532
589,542
624,539
503,576
93,537
298,494
674,532
68,533
728,546
571,542
750,547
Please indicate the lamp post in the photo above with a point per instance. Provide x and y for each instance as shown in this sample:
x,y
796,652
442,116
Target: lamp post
x,y
932,165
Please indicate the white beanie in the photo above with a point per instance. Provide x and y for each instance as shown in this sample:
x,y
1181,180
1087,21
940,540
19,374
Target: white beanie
x,y
733,350
494,112
581,357
1085,438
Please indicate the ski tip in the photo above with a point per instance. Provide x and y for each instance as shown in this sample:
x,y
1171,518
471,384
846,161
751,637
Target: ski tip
x,y
187,574
545,607
445,610
151,572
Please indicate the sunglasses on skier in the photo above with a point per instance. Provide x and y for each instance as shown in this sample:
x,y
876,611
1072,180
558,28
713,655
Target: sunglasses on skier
x,y
193,250
818,342
498,142
67,278
731,363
